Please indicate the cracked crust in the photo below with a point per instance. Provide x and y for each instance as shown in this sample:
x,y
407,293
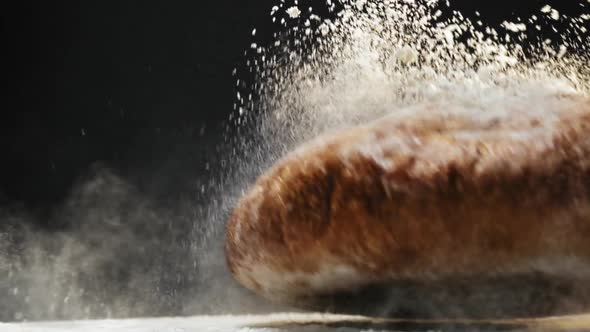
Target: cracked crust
x,y
438,194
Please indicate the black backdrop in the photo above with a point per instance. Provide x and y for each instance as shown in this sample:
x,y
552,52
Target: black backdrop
x,y
141,86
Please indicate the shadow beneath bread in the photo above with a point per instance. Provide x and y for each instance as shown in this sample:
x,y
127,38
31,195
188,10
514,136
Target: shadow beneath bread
x,y
519,296
395,326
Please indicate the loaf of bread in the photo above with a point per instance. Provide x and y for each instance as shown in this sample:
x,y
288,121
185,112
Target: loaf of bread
x,y
436,191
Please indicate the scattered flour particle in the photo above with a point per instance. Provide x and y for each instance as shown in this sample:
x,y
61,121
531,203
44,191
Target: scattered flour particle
x,y
346,15
554,14
294,12
448,33
324,29
514,27
360,4
407,55
449,37
546,9
562,51
254,32
253,45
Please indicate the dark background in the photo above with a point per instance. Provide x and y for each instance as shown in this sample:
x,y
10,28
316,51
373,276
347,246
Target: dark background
x,y
144,87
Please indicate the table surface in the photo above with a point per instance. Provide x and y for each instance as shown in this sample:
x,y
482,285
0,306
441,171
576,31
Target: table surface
x,y
300,322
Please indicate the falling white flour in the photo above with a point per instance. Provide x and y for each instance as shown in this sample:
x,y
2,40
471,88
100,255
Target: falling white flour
x,y
376,57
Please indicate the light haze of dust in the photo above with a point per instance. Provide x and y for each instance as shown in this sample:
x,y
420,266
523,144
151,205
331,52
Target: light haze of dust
x,y
122,255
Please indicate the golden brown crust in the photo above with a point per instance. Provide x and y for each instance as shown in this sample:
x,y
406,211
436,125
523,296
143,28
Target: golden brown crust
x,y
432,196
